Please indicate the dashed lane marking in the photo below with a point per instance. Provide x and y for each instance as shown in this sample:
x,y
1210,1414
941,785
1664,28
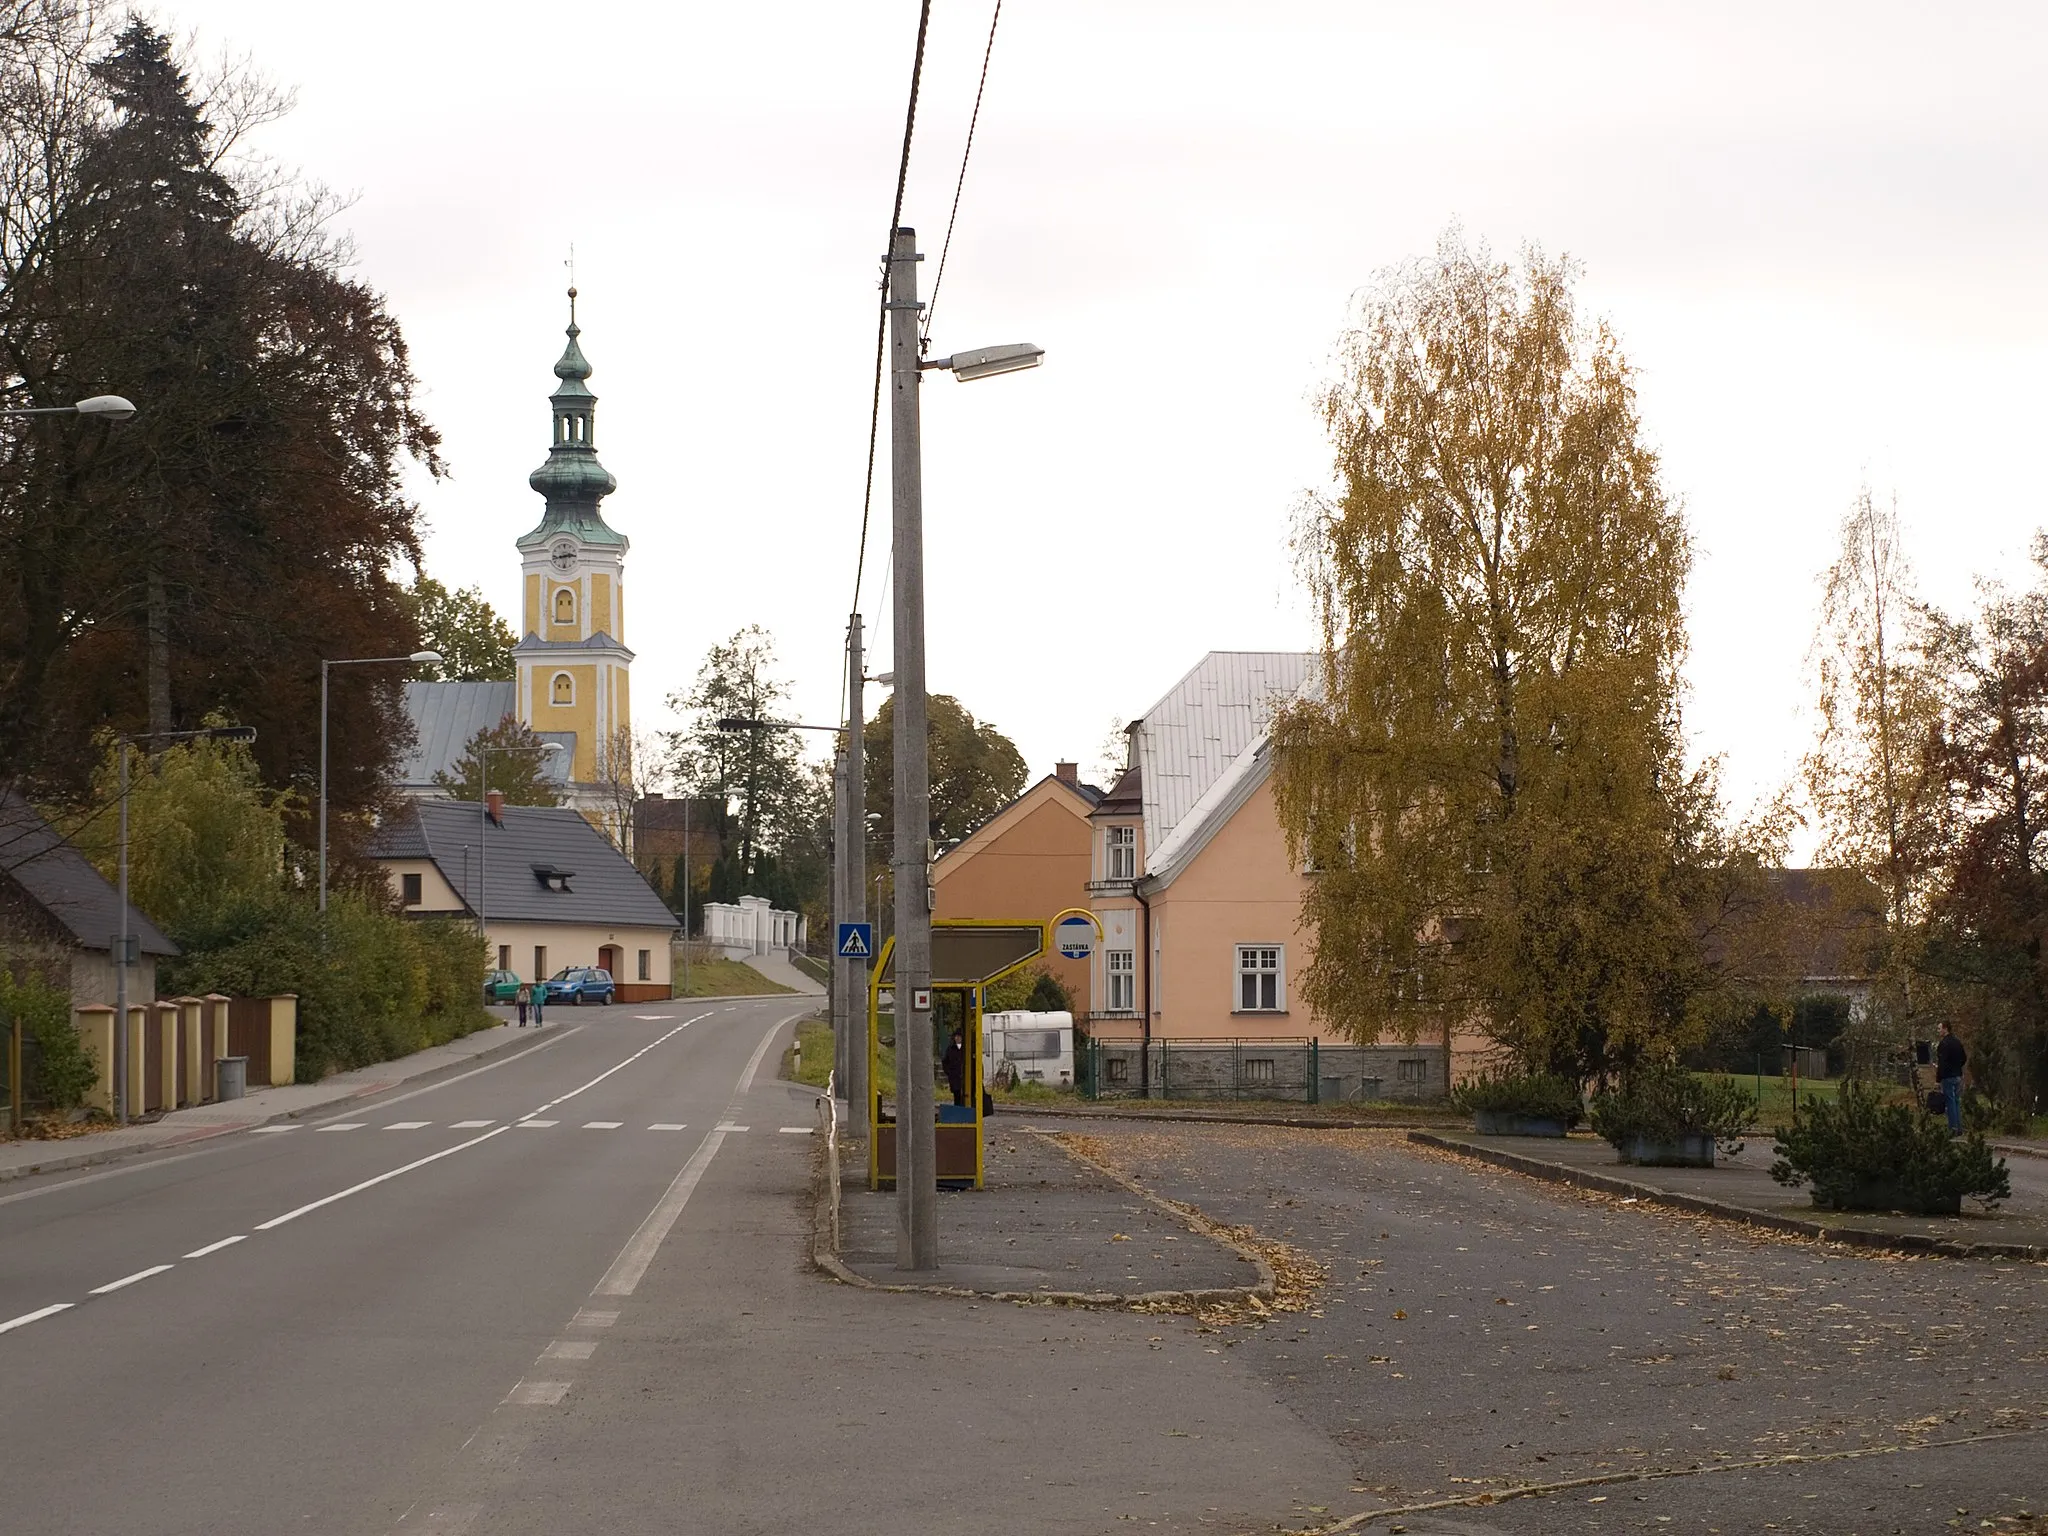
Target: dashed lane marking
x,y
570,1349
272,1130
127,1280
346,1125
471,1125
535,1125
729,1126
664,1125
35,1317
538,1394
408,1125
356,1189
226,1242
602,1125
585,1318
796,1130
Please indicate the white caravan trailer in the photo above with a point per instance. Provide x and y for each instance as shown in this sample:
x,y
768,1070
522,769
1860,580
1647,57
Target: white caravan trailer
x,y
1038,1046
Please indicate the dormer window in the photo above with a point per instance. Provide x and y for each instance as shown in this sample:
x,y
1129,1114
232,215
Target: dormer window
x,y
553,879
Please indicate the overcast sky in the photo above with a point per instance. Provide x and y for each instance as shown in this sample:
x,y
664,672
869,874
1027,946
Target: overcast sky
x,y
1818,230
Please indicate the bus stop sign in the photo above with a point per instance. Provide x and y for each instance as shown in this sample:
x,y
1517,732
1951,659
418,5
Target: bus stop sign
x,y
1074,938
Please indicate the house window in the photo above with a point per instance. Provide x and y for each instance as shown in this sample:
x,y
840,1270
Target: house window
x,y
563,690
646,965
1117,1069
1122,966
565,605
540,962
1413,1069
1259,988
1123,853
411,883
1258,1069
504,957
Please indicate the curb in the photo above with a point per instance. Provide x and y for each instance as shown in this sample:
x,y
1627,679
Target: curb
x,y
825,1254
1749,1216
121,1154
1205,1117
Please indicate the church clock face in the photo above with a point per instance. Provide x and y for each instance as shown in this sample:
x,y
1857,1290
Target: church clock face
x,y
563,555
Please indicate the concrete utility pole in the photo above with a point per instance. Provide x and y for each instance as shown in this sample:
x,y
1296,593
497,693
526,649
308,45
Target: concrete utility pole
x,y
842,1009
854,1085
917,1190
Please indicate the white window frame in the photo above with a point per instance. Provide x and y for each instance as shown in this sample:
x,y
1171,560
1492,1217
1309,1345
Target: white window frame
x,y
1120,853
1120,980
1267,973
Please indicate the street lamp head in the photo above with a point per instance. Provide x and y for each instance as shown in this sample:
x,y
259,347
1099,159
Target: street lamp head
x,y
423,657
109,407
886,679
736,723
987,362
550,748
232,733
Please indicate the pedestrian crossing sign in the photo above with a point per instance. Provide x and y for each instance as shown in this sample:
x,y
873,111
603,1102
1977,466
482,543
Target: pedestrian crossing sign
x,y
856,941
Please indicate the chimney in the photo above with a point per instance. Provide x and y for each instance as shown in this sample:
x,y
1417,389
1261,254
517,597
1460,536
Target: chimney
x,y
495,800
1066,773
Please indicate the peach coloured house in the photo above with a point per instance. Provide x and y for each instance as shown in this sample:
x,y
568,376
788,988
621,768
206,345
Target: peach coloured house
x,y
1190,876
1029,860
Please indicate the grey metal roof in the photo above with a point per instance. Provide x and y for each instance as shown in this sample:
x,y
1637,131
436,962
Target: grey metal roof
x,y
445,720
605,891
1205,721
54,875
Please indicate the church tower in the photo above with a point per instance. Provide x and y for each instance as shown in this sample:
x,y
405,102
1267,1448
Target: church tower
x,y
573,662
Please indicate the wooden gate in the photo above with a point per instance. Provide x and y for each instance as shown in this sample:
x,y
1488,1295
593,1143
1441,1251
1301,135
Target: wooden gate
x,y
249,1035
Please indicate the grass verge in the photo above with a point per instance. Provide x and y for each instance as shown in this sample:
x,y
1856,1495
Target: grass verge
x,y
724,978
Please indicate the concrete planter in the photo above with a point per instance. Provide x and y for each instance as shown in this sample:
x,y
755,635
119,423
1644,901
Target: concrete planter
x,y
1679,1151
1502,1122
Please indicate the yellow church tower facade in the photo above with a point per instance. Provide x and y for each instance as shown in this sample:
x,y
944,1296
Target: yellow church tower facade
x,y
574,682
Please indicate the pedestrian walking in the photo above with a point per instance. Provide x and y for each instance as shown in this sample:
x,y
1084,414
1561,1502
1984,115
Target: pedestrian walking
x,y
540,997
1949,1059
523,998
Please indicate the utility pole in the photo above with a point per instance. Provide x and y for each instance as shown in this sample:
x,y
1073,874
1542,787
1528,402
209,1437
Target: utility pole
x,y
854,1085
842,907
917,1190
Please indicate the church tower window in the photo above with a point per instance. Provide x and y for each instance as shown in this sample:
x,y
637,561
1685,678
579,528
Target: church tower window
x,y
565,605
563,690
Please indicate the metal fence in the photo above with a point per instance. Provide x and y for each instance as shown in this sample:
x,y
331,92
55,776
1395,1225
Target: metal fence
x,y
1300,1071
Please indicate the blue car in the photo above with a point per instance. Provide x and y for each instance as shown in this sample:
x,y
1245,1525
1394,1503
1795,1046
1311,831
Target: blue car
x,y
579,984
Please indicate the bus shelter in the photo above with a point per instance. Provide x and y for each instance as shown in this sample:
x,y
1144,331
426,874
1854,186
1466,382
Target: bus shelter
x,y
967,954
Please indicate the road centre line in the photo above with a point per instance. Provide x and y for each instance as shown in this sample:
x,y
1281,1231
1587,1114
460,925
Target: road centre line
x,y
226,1242
140,1274
35,1317
356,1189
449,1082
631,1265
658,1040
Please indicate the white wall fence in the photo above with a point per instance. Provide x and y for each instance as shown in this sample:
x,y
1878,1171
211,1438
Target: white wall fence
x,y
751,924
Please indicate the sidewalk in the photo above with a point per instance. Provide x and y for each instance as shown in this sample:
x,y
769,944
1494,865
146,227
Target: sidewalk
x,y
1048,1227
1741,1189
19,1159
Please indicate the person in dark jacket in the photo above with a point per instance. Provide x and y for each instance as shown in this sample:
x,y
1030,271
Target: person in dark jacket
x,y
1949,1058
954,1064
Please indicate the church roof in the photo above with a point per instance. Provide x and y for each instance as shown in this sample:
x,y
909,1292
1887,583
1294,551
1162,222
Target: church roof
x,y
445,720
572,479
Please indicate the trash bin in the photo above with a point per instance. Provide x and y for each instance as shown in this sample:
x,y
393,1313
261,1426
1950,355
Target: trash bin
x,y
231,1077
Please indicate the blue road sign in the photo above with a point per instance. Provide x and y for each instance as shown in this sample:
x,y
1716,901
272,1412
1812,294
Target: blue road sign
x,y
1075,938
856,941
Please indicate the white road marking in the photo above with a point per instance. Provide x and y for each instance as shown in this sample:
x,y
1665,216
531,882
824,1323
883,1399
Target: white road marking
x,y
631,1264
570,1349
539,1394
271,1130
451,1520
471,1125
585,1318
663,1125
408,1125
356,1189
140,1274
659,1039
729,1127
345,1125
489,1066
796,1130
602,1125
226,1242
647,1018
533,1125
35,1317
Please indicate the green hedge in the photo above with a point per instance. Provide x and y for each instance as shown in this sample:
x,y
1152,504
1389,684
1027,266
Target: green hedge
x,y
1663,1103
371,985
1863,1152
1539,1096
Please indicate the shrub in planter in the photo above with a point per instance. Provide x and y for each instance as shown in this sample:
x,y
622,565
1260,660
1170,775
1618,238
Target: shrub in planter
x,y
1513,1104
1862,1153
1665,1116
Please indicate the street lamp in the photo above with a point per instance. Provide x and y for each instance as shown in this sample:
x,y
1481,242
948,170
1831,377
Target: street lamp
x,y
483,821
917,1196
343,661
106,407
121,938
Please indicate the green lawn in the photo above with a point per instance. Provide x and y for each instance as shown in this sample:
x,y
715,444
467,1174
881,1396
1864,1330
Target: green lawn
x,y
1774,1103
724,978
814,1041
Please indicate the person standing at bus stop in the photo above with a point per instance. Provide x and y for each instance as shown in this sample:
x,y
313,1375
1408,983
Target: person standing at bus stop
x,y
1949,1060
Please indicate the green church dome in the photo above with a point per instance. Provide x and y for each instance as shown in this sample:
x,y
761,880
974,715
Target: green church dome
x,y
572,479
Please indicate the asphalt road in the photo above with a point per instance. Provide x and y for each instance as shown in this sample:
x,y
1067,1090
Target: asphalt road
x,y
565,1291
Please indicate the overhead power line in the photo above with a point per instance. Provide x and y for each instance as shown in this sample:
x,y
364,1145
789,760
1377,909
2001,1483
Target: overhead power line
x,y
932,305
867,501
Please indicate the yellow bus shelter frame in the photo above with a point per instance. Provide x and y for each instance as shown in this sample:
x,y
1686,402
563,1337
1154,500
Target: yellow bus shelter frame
x,y
976,956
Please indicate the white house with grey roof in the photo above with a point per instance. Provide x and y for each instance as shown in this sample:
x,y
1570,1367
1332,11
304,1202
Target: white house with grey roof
x,y
550,889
